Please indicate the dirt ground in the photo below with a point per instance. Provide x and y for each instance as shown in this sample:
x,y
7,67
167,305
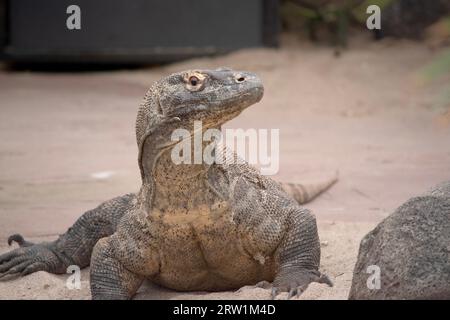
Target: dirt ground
x,y
67,144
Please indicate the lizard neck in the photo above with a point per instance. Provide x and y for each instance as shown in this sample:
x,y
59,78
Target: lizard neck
x,y
169,186
180,186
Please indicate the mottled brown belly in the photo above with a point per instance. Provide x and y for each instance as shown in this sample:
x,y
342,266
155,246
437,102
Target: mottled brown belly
x,y
206,252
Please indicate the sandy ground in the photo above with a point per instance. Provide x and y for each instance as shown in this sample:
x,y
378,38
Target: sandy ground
x,y
67,144
339,242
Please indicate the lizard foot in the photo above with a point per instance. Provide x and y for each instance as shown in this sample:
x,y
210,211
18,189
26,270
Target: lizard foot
x,y
26,259
296,282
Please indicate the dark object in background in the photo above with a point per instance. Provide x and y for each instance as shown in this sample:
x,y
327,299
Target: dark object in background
x,y
335,15
2,23
409,18
135,31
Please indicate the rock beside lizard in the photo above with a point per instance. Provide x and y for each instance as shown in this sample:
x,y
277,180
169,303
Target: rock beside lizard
x,y
408,253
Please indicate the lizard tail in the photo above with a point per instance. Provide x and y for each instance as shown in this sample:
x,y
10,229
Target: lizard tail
x,y
304,193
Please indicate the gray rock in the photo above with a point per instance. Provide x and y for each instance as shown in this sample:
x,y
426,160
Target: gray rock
x,y
411,247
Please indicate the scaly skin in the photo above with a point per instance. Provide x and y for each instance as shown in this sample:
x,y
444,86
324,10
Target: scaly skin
x,y
190,227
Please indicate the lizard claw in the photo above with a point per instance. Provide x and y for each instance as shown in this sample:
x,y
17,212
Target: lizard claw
x,y
325,279
296,291
296,282
28,258
292,292
274,293
20,240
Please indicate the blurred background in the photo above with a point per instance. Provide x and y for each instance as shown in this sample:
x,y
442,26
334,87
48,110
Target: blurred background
x,y
372,104
113,31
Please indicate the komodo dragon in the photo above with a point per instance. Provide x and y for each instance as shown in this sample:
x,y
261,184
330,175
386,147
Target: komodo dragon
x,y
191,226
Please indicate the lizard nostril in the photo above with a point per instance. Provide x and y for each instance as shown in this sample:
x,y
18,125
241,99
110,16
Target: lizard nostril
x,y
240,79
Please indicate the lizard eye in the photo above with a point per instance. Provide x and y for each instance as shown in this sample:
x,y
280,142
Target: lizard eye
x,y
193,81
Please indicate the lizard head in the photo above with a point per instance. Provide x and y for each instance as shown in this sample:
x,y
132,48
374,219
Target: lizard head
x,y
210,96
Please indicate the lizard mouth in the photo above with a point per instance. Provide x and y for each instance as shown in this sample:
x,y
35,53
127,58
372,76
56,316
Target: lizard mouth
x,y
243,100
246,91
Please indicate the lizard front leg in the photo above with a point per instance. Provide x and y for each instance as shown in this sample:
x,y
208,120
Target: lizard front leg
x,y
121,261
110,279
72,248
298,255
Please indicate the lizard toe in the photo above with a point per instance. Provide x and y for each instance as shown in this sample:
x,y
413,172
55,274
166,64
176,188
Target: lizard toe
x,y
25,260
11,263
296,282
14,268
18,238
